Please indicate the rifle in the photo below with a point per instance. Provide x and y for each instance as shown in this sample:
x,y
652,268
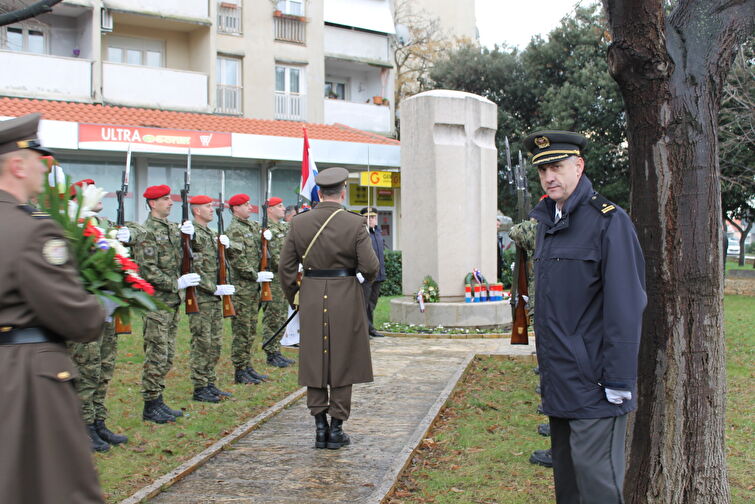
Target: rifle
x,y
122,316
519,288
223,273
188,257
266,294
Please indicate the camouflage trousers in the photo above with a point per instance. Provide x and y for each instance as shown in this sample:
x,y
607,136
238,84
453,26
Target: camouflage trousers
x,y
206,341
96,362
246,302
274,315
160,329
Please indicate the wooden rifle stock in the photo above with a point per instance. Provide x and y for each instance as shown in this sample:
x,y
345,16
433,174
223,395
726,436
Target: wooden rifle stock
x,y
266,294
228,309
520,325
191,292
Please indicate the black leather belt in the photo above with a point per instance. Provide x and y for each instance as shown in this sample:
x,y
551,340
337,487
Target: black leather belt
x,y
330,273
27,335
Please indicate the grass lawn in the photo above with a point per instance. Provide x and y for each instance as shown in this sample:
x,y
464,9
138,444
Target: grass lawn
x,y
153,450
733,263
478,451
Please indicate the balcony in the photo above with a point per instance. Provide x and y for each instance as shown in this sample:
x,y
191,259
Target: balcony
x,y
229,100
356,45
362,116
290,106
189,9
42,76
161,88
229,18
290,28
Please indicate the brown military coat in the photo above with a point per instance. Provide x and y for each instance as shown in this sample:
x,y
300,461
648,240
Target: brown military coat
x,y
334,346
44,449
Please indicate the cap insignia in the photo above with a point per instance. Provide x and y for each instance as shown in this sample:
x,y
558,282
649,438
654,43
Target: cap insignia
x,y
542,142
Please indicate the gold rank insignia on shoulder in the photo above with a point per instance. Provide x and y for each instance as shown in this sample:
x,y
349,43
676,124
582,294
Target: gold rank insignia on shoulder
x,y
607,208
542,142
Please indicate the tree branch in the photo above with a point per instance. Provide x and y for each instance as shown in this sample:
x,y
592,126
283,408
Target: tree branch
x,y
31,11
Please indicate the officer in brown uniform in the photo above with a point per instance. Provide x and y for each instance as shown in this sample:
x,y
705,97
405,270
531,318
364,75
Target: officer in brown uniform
x,y
44,447
333,245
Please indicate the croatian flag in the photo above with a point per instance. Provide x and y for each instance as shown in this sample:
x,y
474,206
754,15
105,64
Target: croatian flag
x,y
308,172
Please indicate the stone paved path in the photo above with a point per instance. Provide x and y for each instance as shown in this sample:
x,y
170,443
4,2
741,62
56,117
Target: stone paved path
x,y
278,463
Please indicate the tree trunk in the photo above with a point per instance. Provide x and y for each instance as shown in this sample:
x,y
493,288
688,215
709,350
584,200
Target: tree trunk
x,y
671,71
742,238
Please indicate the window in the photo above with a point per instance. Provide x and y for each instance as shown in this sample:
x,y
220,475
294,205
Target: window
x,y
289,96
136,51
229,16
30,36
291,7
229,87
335,89
287,79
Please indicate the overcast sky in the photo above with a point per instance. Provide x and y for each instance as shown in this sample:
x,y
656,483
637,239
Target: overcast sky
x,y
514,22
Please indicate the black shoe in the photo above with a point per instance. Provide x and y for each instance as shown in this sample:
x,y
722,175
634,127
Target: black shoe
x,y
220,393
254,374
321,430
542,457
168,410
203,394
336,436
273,360
107,435
98,444
536,370
544,429
538,390
376,334
286,359
540,409
242,377
153,412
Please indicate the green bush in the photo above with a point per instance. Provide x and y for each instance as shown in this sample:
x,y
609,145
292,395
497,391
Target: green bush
x,y
509,256
392,284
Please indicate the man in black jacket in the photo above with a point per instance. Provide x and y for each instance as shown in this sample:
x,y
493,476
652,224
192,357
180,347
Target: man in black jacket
x,y
372,289
590,278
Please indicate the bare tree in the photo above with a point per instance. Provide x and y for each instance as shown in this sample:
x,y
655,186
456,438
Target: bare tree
x,y
26,12
670,60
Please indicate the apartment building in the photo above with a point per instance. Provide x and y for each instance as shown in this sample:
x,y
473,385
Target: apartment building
x,y
235,80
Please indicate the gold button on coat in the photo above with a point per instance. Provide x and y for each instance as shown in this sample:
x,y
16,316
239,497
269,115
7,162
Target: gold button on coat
x,y
64,375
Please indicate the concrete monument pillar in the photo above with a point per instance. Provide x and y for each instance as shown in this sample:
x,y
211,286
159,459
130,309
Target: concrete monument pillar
x,y
448,195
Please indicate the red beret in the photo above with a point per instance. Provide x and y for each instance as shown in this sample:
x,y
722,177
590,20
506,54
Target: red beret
x,y
274,201
156,191
238,199
80,183
200,199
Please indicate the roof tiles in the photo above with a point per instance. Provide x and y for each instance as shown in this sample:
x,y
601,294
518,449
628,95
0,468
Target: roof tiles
x,y
129,116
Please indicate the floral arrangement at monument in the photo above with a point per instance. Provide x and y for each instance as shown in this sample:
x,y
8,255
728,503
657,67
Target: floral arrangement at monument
x,y
428,291
103,262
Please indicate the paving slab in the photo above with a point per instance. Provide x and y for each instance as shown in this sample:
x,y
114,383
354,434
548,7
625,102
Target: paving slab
x,y
277,463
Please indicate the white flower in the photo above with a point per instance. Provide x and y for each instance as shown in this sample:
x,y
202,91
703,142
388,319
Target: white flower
x,y
118,246
92,195
56,178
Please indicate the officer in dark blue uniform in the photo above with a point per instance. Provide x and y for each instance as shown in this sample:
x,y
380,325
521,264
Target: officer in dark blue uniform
x,y
590,278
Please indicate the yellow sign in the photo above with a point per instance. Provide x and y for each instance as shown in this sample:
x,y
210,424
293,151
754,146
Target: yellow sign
x,y
380,179
357,195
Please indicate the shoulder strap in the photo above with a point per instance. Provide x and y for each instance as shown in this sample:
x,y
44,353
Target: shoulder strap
x,y
601,204
317,235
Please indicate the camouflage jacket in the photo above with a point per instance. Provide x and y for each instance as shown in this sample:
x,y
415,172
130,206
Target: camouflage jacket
x,y
205,247
524,235
275,245
157,250
244,254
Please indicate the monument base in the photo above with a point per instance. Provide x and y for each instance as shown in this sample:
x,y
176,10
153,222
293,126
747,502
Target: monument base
x,y
405,310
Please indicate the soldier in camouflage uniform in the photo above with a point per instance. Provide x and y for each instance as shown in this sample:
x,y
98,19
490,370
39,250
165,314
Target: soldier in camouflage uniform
x,y
157,251
244,260
276,311
96,362
207,325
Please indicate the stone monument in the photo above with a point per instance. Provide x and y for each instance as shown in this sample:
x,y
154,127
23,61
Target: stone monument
x,y
449,166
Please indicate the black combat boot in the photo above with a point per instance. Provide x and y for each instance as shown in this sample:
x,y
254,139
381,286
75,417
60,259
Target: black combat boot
x,y
321,430
336,436
244,378
544,429
542,457
284,358
154,413
256,375
107,435
98,444
220,393
273,360
168,410
204,394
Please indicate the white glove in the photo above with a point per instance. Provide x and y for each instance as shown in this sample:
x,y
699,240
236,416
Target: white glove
x,y
123,235
618,396
360,277
264,276
187,228
188,280
224,241
267,234
301,267
109,305
225,290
